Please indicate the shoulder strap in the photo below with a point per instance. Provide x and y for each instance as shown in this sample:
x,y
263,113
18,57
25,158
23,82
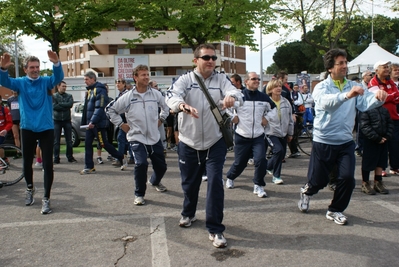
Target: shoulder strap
x,y
215,110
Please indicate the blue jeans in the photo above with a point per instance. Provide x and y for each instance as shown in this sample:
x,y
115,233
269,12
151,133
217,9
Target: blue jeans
x,y
243,149
192,164
141,153
67,126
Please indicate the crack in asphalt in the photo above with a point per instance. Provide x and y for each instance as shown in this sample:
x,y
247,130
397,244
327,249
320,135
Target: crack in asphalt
x,y
130,239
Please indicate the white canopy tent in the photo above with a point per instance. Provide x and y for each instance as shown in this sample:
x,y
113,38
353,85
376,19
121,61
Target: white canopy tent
x,y
365,61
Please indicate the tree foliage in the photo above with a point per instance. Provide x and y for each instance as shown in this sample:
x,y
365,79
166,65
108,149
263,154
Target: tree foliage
x,y
305,14
298,56
203,21
58,21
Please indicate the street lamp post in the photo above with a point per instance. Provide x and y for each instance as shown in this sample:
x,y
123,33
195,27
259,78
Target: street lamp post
x,y
45,72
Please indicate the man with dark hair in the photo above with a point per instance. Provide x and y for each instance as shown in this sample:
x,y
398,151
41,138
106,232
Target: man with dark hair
x,y
145,111
336,100
96,120
236,80
201,145
36,107
62,104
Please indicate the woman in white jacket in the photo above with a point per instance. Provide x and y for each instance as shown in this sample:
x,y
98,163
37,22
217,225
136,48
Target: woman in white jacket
x,y
279,129
305,98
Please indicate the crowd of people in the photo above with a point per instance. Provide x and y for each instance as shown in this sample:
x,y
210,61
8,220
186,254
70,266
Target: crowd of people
x,y
263,118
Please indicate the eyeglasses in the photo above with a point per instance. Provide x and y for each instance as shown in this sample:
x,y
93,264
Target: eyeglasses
x,y
371,75
207,58
254,79
118,81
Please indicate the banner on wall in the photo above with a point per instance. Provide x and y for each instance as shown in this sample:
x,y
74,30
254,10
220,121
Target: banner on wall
x,y
303,79
124,65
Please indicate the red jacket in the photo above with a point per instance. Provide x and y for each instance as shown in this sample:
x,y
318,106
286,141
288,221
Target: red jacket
x,y
393,95
5,119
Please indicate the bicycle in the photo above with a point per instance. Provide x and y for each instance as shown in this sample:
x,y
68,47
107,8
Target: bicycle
x,y
11,168
304,137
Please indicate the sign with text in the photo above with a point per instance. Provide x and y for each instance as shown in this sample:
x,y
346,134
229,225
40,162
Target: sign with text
x,y
124,65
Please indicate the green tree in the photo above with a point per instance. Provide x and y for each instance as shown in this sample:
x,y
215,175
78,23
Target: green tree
x,y
58,21
297,56
203,21
307,13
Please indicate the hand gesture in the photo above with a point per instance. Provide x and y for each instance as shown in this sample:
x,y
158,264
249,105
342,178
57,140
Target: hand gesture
x,y
381,95
228,102
6,61
52,56
189,110
355,91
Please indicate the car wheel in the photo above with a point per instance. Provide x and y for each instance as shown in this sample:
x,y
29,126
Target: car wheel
x,y
75,138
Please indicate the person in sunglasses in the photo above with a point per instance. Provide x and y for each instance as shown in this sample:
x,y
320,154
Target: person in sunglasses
x,y
249,136
201,145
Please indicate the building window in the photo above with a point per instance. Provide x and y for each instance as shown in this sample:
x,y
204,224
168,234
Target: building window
x,y
158,50
123,51
157,73
186,50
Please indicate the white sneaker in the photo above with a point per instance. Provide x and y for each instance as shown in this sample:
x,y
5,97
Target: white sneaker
x,y
204,178
303,203
229,184
337,217
139,201
124,165
38,164
260,191
277,180
218,240
251,162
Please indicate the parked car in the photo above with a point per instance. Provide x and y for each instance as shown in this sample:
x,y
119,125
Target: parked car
x,y
79,134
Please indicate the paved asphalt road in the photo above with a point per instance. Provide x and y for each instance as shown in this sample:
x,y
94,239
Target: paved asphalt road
x,y
95,223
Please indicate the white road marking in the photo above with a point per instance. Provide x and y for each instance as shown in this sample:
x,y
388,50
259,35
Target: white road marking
x,y
387,205
159,243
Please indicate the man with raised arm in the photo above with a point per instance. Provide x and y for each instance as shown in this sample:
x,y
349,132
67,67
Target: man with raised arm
x,y
36,107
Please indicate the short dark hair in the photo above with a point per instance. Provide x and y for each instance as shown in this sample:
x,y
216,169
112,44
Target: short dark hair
x,y
330,56
203,46
281,74
236,77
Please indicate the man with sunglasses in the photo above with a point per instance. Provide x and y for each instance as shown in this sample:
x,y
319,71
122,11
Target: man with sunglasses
x,y
249,136
201,145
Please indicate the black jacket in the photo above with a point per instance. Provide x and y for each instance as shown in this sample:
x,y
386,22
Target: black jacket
x,y
62,104
376,124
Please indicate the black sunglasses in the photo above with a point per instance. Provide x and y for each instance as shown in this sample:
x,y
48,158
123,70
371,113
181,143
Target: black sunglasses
x,y
255,79
207,58
118,81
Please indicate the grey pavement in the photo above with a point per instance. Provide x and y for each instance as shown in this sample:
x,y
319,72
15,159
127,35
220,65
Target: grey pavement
x,y
95,223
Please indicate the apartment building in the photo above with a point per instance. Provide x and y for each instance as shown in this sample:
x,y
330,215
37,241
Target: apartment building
x,y
166,56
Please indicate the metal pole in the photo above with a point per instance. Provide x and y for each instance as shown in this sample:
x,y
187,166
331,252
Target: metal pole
x,y
16,56
261,60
